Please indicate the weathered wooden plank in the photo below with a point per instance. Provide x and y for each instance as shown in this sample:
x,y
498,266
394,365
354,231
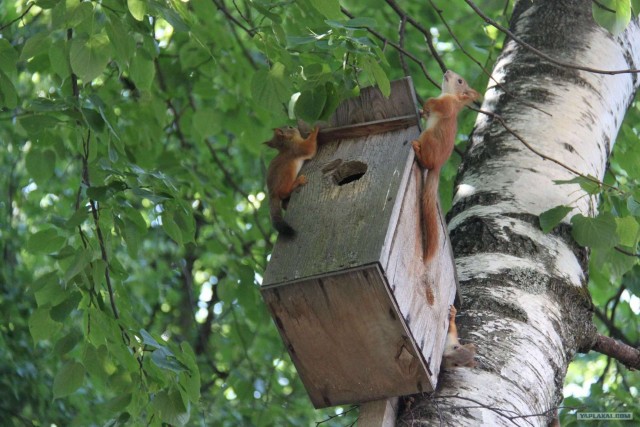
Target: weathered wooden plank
x,y
379,413
423,293
342,226
345,339
371,105
360,130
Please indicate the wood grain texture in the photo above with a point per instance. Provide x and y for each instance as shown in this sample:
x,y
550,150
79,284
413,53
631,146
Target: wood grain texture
x,y
347,349
423,292
342,226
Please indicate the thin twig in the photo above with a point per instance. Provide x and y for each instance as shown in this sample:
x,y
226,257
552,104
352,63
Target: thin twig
x,y
401,33
221,7
541,54
406,53
538,153
625,252
229,178
501,412
7,25
602,6
472,58
425,32
341,414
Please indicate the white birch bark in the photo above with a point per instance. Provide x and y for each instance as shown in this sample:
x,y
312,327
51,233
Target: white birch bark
x,y
525,300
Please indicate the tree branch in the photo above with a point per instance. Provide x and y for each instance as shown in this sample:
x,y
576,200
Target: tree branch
x,y
409,55
614,331
625,354
472,58
541,54
221,7
8,24
425,32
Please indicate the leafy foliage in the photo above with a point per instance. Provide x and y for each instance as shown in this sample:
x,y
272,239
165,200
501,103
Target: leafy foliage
x,y
133,229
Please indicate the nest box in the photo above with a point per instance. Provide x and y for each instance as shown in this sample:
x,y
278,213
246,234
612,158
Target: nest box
x,y
361,316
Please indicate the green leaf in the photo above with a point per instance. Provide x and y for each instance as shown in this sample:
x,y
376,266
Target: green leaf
x,y
137,8
45,241
142,71
165,359
80,261
123,44
35,45
48,290
77,218
598,232
67,343
59,59
184,220
89,56
77,14
171,408
372,67
204,123
614,15
632,281
633,206
190,380
589,184
8,94
270,88
627,229
40,164
68,379
328,8
8,57
60,312
171,227
549,219
41,326
310,104
147,339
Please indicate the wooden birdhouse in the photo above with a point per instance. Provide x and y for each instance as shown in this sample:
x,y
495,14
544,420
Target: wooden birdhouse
x,y
361,316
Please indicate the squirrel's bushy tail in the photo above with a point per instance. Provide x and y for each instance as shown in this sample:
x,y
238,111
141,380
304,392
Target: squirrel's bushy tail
x,y
277,220
430,213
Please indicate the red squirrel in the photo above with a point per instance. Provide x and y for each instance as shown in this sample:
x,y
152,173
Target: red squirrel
x,y
282,175
434,146
455,354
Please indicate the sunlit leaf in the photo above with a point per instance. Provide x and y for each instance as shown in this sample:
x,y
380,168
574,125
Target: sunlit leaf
x,y
614,15
137,8
89,56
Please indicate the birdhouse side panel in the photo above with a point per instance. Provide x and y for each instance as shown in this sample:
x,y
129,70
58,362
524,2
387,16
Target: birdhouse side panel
x,y
423,293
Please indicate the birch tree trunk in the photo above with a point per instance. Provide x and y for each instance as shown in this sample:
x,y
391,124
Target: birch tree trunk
x,y
526,305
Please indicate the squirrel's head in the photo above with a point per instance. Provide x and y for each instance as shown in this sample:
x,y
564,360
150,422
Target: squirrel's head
x,y
282,136
454,84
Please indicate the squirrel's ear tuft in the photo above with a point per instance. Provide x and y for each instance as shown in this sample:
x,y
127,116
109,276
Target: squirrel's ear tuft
x,y
278,131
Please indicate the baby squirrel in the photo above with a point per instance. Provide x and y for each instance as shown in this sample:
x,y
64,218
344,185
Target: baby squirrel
x,y
435,144
455,354
282,175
